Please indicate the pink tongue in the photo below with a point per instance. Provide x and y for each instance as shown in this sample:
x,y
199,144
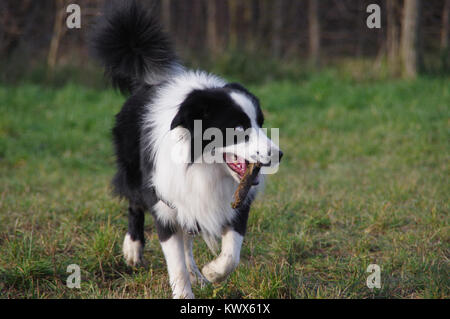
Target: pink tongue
x,y
229,158
241,167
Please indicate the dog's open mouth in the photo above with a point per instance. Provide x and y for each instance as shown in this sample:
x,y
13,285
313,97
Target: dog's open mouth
x,y
238,165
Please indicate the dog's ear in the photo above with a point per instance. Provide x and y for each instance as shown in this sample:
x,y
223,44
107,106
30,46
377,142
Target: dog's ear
x,y
186,115
194,107
177,121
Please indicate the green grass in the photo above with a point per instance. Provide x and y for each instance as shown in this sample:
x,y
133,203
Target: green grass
x,y
364,181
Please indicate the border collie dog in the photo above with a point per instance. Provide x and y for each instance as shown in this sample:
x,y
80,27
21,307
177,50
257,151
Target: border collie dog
x,y
186,197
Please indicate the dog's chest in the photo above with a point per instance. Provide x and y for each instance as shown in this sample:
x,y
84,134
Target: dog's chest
x,y
202,196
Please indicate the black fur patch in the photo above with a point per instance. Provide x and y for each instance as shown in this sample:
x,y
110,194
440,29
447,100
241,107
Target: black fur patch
x,y
136,220
239,223
164,231
127,182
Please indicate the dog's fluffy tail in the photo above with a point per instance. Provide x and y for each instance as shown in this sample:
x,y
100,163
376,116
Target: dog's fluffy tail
x,y
129,42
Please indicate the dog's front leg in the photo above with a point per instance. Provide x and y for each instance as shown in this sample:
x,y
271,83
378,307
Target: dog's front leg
x,y
219,269
172,245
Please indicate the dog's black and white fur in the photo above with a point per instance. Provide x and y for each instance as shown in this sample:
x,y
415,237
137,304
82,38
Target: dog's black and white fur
x,y
186,198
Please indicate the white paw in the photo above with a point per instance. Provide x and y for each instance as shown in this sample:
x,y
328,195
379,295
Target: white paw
x,y
132,251
214,276
219,269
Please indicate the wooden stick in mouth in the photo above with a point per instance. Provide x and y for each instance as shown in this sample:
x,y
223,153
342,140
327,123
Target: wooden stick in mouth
x,y
246,183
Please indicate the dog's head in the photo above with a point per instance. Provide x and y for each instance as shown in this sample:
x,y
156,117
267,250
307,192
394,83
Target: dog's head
x,y
225,125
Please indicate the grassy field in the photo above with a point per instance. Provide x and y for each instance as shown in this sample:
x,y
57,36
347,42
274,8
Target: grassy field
x,y
364,180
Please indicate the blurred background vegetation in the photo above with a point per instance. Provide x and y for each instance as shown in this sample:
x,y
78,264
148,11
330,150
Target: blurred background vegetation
x,y
252,40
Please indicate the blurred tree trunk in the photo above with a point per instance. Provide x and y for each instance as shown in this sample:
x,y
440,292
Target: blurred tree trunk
x,y
255,16
445,25
410,42
57,33
359,36
233,33
211,27
246,23
314,31
277,28
196,23
240,19
166,14
222,23
393,36
265,22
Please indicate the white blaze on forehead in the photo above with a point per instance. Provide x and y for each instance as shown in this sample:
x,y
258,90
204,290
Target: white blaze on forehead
x,y
247,106
259,146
